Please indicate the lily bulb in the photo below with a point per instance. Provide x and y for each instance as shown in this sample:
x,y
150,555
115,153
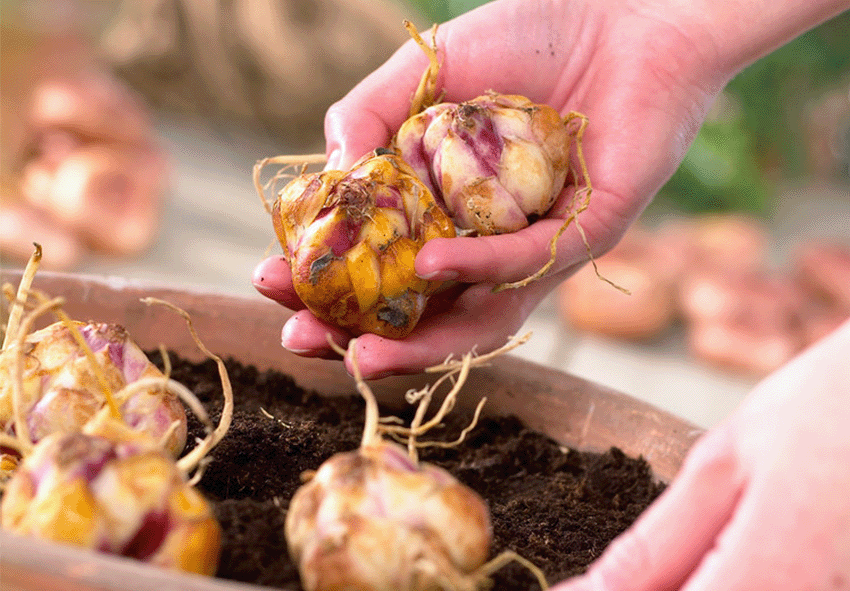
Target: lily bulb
x,y
112,489
61,391
351,238
495,163
374,519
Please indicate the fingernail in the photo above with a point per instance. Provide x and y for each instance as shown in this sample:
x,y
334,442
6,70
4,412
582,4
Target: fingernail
x,y
286,336
270,292
440,275
378,375
301,352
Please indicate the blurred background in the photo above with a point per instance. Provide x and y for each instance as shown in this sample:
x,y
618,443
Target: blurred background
x,y
742,260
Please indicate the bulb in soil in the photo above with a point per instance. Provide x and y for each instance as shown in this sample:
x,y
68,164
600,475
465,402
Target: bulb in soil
x,y
61,391
115,490
351,239
495,162
373,519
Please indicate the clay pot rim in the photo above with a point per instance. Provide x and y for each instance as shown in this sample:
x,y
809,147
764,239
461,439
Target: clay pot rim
x,y
573,411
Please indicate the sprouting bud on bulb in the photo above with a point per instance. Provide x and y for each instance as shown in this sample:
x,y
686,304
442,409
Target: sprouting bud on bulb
x,y
495,162
375,519
351,239
112,489
61,392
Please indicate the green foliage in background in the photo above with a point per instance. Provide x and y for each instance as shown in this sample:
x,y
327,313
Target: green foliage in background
x,y
742,151
439,11
720,172
738,156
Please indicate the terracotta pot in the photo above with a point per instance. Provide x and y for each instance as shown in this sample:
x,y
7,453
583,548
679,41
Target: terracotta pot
x,y
571,410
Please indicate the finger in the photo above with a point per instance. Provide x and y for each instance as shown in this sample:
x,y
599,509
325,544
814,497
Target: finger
x,y
372,112
779,539
273,278
746,559
368,116
514,256
21,225
787,544
110,197
479,320
94,106
670,539
307,336
488,259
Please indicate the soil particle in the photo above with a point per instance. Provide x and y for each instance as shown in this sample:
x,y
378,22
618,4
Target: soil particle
x,y
558,508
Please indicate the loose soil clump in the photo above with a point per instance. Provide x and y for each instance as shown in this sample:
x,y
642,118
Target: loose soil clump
x,y
557,507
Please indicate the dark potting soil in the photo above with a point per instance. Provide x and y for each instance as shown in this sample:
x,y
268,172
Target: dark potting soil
x,y
558,508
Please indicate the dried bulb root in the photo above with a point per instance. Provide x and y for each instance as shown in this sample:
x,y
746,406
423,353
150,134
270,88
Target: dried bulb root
x,y
17,308
192,459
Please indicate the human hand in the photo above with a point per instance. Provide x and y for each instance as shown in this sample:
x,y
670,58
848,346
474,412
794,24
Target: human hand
x,y
644,73
761,501
88,174
616,75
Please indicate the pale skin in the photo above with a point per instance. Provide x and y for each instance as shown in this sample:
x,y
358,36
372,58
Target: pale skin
x,y
761,501
645,73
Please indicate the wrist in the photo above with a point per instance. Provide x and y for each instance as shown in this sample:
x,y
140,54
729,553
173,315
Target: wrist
x,y
743,31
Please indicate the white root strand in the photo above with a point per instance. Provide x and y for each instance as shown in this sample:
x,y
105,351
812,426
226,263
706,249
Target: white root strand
x,y
509,556
22,431
479,360
373,417
286,161
17,307
192,459
457,371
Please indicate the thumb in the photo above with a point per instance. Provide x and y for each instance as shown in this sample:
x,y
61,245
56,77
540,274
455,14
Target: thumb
x,y
499,258
369,115
668,542
515,256
351,132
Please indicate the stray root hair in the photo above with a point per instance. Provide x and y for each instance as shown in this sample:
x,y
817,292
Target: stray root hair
x,y
454,370
288,163
194,458
22,431
19,327
578,204
17,306
426,93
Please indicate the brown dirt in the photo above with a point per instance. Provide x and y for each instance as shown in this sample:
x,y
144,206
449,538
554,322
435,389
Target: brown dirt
x,y
558,508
